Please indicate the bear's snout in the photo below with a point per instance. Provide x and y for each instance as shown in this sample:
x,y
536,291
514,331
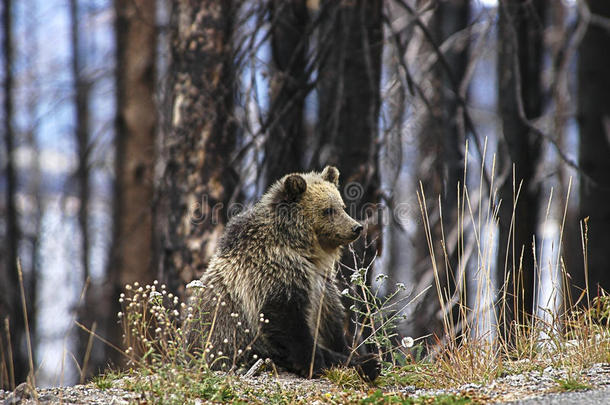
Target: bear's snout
x,y
357,229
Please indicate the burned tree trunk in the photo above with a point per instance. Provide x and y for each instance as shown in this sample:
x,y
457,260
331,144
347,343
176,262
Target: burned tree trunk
x,y
351,40
286,141
594,151
440,169
198,181
131,251
520,36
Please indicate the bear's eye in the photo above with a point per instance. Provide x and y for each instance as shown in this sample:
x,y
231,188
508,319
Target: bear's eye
x,y
329,211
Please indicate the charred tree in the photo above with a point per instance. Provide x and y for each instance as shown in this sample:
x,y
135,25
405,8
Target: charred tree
x,y
520,94
198,180
135,125
286,141
594,125
351,42
440,167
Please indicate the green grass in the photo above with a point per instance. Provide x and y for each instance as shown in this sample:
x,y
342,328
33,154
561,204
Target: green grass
x,y
346,378
417,375
572,384
378,397
103,381
177,385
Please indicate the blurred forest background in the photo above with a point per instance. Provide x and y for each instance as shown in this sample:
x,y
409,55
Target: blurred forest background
x,y
133,129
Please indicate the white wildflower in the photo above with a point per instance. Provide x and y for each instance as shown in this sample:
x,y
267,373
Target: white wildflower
x,y
345,292
381,277
407,342
154,296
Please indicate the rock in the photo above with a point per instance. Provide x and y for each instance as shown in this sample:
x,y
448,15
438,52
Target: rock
x,y
22,392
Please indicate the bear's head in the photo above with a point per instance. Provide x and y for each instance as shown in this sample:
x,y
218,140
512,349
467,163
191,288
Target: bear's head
x,y
321,207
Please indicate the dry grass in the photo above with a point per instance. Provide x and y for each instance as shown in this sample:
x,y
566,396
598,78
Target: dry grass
x,y
475,348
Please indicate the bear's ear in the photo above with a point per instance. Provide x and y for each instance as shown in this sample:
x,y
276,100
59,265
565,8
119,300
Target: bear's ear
x,y
294,186
331,173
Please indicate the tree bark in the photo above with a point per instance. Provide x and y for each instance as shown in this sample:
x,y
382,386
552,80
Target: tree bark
x,y
10,300
198,180
520,35
351,39
286,142
594,152
136,123
351,42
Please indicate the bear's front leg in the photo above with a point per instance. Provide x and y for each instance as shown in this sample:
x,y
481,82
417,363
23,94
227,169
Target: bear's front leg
x,y
287,334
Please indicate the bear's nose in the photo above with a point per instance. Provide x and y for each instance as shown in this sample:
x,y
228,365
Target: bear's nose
x,y
357,229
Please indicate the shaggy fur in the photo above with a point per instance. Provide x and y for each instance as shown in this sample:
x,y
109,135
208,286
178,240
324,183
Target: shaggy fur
x,y
270,289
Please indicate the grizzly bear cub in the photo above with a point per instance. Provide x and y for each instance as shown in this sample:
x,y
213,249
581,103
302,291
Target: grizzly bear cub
x,y
270,290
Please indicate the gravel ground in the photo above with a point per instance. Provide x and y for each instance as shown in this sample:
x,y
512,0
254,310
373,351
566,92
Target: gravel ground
x,y
528,388
595,397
